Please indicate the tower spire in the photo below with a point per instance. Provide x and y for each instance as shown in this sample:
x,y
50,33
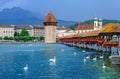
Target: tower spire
x,y
50,19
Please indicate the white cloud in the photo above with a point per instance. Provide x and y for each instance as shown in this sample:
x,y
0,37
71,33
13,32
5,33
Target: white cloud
x,y
12,3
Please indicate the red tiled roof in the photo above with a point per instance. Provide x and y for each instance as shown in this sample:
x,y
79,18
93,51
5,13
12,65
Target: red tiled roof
x,y
50,18
38,27
6,26
23,27
85,27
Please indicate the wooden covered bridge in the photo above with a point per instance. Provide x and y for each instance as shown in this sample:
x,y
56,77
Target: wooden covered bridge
x,y
100,40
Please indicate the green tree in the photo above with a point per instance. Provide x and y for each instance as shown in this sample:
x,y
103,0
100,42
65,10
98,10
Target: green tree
x,y
17,38
6,38
24,32
41,38
16,34
0,38
10,38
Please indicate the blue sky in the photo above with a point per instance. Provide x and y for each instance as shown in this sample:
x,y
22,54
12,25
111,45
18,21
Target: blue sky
x,y
75,10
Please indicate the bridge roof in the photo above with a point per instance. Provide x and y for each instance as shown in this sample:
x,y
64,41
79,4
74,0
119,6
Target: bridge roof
x,y
111,28
85,34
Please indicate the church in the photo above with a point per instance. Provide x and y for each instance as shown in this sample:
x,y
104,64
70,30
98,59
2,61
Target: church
x,y
90,27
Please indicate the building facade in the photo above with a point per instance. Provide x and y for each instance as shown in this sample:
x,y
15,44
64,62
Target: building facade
x,y
6,31
39,31
98,24
50,23
30,30
90,27
64,31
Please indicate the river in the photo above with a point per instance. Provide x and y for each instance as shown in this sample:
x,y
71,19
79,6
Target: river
x,y
71,62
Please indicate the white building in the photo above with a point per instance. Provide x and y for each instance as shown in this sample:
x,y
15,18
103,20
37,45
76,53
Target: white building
x,y
6,31
39,31
90,27
30,30
98,24
64,31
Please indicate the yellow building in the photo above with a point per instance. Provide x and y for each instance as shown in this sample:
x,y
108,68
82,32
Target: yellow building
x,y
50,23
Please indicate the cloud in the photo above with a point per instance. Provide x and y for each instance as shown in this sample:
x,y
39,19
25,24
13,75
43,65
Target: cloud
x,y
12,3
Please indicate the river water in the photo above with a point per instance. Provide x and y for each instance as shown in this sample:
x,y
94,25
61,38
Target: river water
x,y
70,62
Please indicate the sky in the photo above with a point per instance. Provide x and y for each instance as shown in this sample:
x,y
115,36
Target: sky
x,y
71,10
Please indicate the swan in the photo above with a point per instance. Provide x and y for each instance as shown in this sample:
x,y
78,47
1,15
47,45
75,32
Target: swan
x,y
52,59
26,67
104,66
110,57
83,51
84,60
101,57
95,59
74,53
87,57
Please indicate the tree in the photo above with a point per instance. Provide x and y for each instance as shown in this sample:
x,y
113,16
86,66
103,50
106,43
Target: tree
x,y
10,38
16,34
16,38
6,38
0,38
42,38
24,32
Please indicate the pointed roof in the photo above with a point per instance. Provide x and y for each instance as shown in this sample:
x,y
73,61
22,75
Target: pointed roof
x,y
50,18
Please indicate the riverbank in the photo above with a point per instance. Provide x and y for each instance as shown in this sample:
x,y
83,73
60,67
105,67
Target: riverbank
x,y
18,42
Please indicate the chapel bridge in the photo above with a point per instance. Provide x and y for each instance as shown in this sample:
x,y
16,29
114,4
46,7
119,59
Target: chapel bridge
x,y
101,40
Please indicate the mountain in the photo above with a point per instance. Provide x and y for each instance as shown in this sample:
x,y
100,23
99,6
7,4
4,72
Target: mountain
x,y
105,21
19,16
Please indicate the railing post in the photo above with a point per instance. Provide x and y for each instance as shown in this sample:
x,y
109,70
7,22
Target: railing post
x,y
119,44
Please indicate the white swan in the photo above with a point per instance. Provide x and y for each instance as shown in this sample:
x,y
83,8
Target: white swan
x,y
104,66
110,57
26,67
87,57
102,57
83,51
74,53
84,60
95,59
52,59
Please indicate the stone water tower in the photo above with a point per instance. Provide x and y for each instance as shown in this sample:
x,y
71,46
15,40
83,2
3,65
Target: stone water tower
x,y
50,24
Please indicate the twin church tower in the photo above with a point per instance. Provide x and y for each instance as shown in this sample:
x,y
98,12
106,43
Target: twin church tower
x,y
98,24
